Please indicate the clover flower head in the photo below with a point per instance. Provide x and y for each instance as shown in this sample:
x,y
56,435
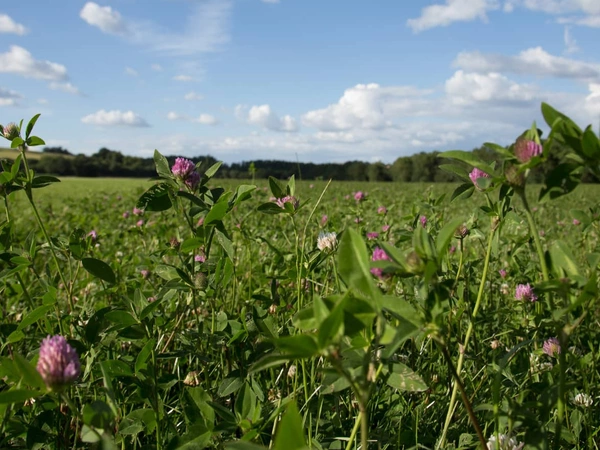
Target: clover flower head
x,y
11,131
525,292
423,221
327,241
183,168
476,174
582,399
288,199
382,210
379,255
505,443
359,196
552,347
526,149
58,363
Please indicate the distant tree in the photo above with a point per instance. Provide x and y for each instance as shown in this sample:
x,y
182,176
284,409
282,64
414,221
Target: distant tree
x,y
57,150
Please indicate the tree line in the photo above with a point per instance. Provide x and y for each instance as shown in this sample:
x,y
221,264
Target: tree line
x,y
420,167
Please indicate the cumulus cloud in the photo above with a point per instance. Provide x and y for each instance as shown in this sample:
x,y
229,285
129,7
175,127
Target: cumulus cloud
x,y
114,118
64,87
533,61
368,106
450,12
468,88
193,96
206,29
9,97
8,25
577,12
20,62
263,116
203,119
103,17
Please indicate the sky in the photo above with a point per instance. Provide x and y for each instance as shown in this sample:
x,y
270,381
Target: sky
x,y
308,80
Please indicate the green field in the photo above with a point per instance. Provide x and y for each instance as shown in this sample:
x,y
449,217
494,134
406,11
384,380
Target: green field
x,y
201,324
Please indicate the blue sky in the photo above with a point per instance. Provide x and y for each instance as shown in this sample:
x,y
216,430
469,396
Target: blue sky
x,y
314,80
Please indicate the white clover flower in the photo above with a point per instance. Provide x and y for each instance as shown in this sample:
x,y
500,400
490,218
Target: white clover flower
x,y
506,443
583,400
327,241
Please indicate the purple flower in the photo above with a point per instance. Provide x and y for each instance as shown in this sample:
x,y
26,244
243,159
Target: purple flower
x,y
552,347
126,215
58,363
140,223
379,255
145,273
576,222
502,273
324,220
476,174
10,131
200,258
372,235
137,211
423,221
525,150
525,292
359,196
288,199
382,210
385,228
185,170
452,249
93,235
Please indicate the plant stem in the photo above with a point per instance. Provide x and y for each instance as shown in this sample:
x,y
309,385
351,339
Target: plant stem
x,y
536,235
560,405
461,356
354,432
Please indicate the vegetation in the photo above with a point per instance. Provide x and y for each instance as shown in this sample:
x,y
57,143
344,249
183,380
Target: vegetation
x,y
206,313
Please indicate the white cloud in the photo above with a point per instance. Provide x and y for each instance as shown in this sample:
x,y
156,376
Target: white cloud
x,y
468,88
592,101
368,106
8,25
450,12
103,17
560,6
270,1
156,67
204,119
8,97
570,42
193,96
587,21
19,61
534,61
206,28
42,101
131,72
263,116
184,78
64,87
114,118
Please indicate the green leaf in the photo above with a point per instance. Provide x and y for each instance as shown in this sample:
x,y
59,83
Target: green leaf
x,y
43,180
553,117
445,235
562,180
225,243
463,192
242,193
99,269
190,244
34,316
590,144
98,415
354,267
197,438
116,368
121,317
229,386
291,186
162,166
270,208
16,142
29,374
290,431
299,345
31,124
276,188
405,379
212,170
17,396
241,445
470,159
216,213
156,198
333,324
143,355
563,260
35,140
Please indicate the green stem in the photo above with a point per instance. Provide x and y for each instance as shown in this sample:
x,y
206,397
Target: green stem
x,y
461,356
364,426
354,432
561,402
536,236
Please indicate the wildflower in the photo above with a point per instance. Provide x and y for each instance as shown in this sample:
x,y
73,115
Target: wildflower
x,y
379,255
583,400
326,241
324,220
476,174
552,347
192,378
151,299
495,344
462,232
311,186
359,196
292,371
200,222
382,210
119,254
93,235
357,220
185,170
502,273
504,443
504,288
372,235
145,273
273,309
174,243
126,215
576,222
200,258
10,131
423,221
525,292
288,199
525,150
452,249
137,211
140,223
58,363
